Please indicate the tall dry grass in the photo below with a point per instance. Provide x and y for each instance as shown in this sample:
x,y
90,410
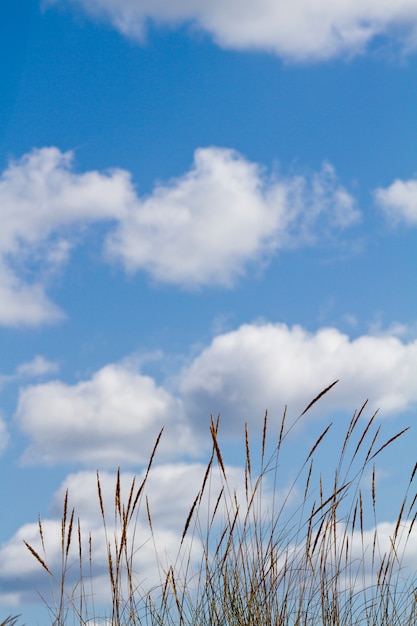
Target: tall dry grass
x,y
306,559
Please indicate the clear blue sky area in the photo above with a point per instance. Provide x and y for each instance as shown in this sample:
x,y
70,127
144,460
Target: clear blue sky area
x,y
203,209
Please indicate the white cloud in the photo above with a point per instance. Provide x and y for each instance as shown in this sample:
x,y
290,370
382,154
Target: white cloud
x,y
297,31
203,228
113,417
38,366
399,201
24,304
206,227
257,367
41,202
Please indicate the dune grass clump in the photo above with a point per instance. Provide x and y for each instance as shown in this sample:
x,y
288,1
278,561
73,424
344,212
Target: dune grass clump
x,y
252,556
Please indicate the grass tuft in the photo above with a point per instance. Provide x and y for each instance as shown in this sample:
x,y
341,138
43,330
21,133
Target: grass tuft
x,y
304,558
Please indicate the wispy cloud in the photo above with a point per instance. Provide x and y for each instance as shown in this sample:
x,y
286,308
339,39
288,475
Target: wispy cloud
x,y
296,31
38,367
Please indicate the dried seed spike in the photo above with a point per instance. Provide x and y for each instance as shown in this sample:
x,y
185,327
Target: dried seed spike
x,y
308,479
148,469
320,395
397,525
371,447
148,511
158,439
361,410
206,475
136,500
248,463
80,550
387,443
319,440
100,496
412,523
374,543
332,497
368,426
41,532
413,473
355,513
37,557
309,534
373,489
264,434
215,423
213,431
392,542
318,535
281,430
354,422
129,501
220,541
110,562
69,535
219,497
412,504
64,521
190,514
321,489
117,502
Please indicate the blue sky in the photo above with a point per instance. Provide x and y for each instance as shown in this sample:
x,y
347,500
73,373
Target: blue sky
x,y
205,208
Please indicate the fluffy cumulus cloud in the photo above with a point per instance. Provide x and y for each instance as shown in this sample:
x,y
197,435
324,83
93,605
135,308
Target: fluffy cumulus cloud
x,y
114,416
41,201
298,31
205,227
202,228
399,201
265,366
